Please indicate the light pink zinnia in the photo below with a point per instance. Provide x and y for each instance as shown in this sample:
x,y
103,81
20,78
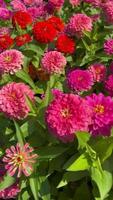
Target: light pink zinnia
x,y
11,61
53,62
13,100
66,114
74,2
80,80
18,5
108,46
19,159
78,24
4,31
102,117
98,71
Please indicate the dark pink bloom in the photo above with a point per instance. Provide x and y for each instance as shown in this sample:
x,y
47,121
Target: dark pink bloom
x,y
108,46
109,85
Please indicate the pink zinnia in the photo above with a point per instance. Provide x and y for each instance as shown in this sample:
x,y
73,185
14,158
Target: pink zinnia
x,y
4,31
33,2
19,159
5,14
13,100
78,24
74,2
108,11
66,114
57,3
108,46
10,192
102,117
98,71
53,62
11,61
37,11
18,5
80,80
109,85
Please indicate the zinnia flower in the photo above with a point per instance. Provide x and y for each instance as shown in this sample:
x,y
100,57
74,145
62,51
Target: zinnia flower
x,y
57,23
4,31
33,2
108,11
74,2
10,192
67,114
108,46
2,4
18,19
37,11
19,159
5,14
109,85
17,5
102,117
53,62
11,61
57,3
44,32
80,80
65,44
78,24
5,42
98,71
22,39
13,100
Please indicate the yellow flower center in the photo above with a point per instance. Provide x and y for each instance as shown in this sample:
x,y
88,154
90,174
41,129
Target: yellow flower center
x,y
19,159
8,59
65,113
98,71
99,109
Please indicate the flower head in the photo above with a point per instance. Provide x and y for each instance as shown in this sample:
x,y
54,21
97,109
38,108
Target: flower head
x,y
67,114
65,44
18,19
11,61
17,5
37,11
80,80
19,159
33,2
10,192
53,62
2,4
109,85
102,117
98,71
4,31
108,10
108,46
22,39
57,3
74,2
44,32
78,24
13,100
5,14
57,23
5,42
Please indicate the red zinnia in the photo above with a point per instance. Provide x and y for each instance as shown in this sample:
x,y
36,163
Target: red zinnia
x,y
5,41
22,39
23,19
44,32
65,44
57,23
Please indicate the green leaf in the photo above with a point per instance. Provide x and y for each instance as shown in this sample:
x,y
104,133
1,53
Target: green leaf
x,y
80,164
103,180
44,188
70,177
7,182
19,133
83,138
34,186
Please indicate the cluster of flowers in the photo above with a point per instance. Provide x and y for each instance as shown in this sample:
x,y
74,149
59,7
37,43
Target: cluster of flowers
x,y
68,112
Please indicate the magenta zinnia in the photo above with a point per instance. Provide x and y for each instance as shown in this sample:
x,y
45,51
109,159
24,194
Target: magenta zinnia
x,y
108,46
102,117
13,100
66,114
80,80
19,159
11,61
109,85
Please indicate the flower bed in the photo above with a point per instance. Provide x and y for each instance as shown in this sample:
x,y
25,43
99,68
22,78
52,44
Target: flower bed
x,y
56,99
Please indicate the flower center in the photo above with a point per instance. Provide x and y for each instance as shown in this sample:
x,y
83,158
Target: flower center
x,y
19,159
99,109
80,78
65,113
22,38
98,71
8,59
